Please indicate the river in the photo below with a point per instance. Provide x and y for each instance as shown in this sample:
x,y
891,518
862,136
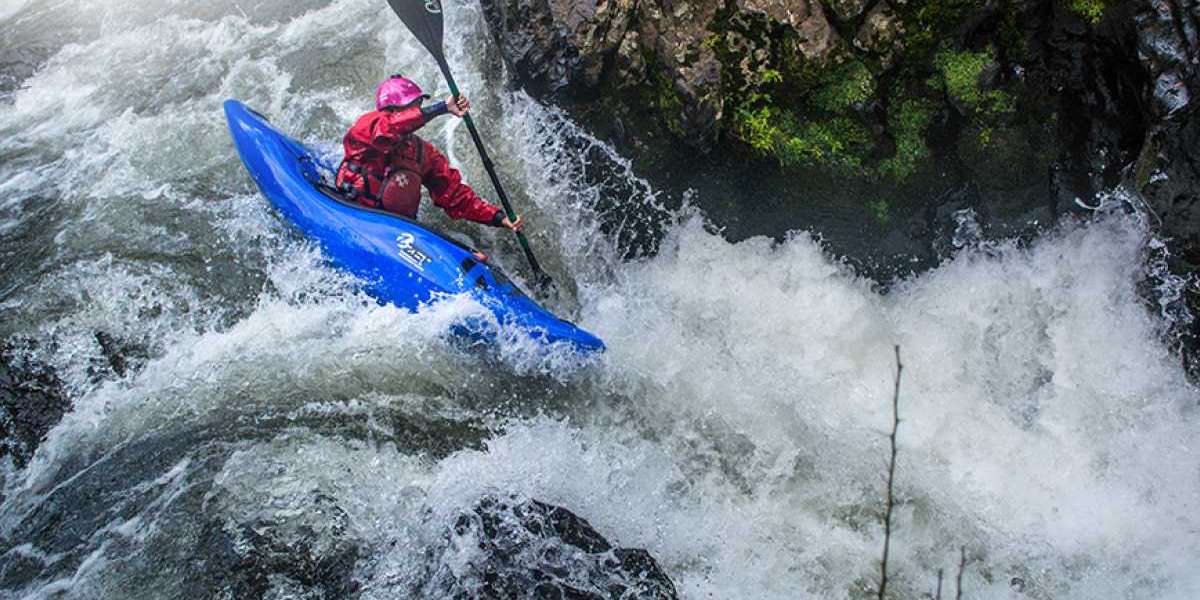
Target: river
x,y
735,429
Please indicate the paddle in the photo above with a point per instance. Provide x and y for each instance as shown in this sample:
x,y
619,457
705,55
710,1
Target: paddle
x,y
424,19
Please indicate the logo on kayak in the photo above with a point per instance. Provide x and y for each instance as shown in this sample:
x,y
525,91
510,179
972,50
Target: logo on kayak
x,y
433,6
410,253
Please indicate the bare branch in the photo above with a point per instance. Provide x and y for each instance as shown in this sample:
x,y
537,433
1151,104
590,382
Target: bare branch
x,y
962,566
938,595
891,475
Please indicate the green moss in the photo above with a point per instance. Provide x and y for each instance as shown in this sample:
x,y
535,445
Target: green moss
x,y
907,123
758,127
927,22
960,74
1088,10
836,142
666,102
844,87
999,102
881,210
985,137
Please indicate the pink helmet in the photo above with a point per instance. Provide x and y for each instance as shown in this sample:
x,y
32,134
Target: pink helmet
x,y
397,90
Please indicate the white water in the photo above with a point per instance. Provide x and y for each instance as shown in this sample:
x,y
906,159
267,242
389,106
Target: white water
x,y
735,429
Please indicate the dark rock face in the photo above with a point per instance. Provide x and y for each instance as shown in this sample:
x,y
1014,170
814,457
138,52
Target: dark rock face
x,y
884,87
527,549
560,45
885,90
1100,87
308,552
1168,170
32,400
572,49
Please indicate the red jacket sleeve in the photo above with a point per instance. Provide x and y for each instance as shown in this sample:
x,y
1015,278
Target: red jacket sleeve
x,y
452,195
394,123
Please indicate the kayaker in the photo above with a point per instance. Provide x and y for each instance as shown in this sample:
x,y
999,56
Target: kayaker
x,y
386,164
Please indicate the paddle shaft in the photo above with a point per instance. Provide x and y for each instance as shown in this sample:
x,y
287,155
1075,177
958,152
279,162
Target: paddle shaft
x,y
491,171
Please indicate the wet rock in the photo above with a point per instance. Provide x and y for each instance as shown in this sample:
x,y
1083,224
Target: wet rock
x,y
117,357
847,10
819,40
572,50
630,64
1001,158
522,548
882,32
32,401
305,552
1168,178
19,64
1103,84
785,12
1167,174
558,46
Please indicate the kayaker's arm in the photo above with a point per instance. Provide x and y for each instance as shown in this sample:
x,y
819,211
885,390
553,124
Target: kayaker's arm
x,y
432,111
402,121
396,123
451,106
449,193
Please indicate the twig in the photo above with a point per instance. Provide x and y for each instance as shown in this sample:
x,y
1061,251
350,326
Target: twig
x,y
887,515
962,566
938,595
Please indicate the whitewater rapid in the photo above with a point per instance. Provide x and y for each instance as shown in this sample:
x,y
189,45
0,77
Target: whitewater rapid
x,y
736,428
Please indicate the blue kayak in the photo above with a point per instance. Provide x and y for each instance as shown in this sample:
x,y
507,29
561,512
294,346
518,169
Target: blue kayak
x,y
399,260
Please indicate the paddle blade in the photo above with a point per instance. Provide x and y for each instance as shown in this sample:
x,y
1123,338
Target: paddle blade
x,y
545,284
424,19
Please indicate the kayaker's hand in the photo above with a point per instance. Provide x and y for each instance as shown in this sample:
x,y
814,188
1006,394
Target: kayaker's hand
x,y
458,107
514,225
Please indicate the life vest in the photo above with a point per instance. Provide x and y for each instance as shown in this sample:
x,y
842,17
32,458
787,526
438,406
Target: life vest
x,y
401,192
380,172
386,166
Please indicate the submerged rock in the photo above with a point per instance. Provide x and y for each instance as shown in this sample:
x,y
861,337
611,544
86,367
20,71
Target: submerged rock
x,y
118,357
304,552
32,400
522,548
501,547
